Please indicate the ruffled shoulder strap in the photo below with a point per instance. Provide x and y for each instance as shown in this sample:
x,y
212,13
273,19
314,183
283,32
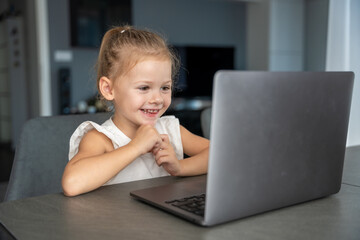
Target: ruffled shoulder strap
x,y
80,132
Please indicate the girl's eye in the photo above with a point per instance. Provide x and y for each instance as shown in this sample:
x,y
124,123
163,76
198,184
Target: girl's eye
x,y
166,88
143,88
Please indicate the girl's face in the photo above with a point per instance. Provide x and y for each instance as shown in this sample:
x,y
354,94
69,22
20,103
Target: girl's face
x,y
142,95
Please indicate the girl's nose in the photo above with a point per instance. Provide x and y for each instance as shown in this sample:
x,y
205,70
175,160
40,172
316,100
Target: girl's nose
x,y
156,98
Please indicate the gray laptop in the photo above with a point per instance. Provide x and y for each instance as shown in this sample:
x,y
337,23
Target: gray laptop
x,y
277,139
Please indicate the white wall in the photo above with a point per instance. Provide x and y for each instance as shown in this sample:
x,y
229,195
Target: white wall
x,y
276,35
343,53
287,29
42,30
354,128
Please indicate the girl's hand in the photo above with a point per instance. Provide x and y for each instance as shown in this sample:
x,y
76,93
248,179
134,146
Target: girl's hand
x,y
147,139
165,156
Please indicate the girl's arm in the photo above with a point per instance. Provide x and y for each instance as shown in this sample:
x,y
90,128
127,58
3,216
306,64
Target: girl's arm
x,y
97,162
198,149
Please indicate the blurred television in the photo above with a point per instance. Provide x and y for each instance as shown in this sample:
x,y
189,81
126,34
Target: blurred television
x,y
198,66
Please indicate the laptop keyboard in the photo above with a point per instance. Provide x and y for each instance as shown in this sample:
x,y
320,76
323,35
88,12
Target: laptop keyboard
x,y
193,204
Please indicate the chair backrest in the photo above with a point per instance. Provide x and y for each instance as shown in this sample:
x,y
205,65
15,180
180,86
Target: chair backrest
x,y
42,153
205,119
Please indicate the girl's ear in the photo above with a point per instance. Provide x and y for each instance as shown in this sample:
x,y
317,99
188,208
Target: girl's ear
x,y
105,87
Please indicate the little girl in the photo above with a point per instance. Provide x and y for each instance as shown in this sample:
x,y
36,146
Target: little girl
x,y
135,73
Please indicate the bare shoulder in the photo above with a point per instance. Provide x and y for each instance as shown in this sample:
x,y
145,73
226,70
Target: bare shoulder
x,y
95,142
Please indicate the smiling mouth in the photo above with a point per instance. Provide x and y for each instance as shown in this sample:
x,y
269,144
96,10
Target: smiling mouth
x,y
150,111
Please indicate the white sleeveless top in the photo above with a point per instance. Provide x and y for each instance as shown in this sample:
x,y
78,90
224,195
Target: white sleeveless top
x,y
143,167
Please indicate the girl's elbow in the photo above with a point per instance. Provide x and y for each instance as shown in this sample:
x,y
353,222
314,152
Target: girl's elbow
x,y
70,187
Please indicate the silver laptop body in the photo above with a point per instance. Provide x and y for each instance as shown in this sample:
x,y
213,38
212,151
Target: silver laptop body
x,y
277,139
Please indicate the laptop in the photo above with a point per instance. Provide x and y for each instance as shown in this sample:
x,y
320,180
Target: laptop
x,y
276,139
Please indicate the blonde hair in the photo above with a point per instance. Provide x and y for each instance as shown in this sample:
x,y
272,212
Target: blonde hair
x,y
123,47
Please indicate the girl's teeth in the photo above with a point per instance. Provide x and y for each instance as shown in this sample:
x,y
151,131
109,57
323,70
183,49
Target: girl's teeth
x,y
151,111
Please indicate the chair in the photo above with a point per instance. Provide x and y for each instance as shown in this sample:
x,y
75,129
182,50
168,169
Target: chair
x,y
205,119
42,153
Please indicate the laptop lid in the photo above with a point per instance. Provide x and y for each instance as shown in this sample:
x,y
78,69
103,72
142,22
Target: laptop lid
x,y
277,139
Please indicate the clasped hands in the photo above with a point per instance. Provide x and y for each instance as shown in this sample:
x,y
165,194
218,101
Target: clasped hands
x,y
147,139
